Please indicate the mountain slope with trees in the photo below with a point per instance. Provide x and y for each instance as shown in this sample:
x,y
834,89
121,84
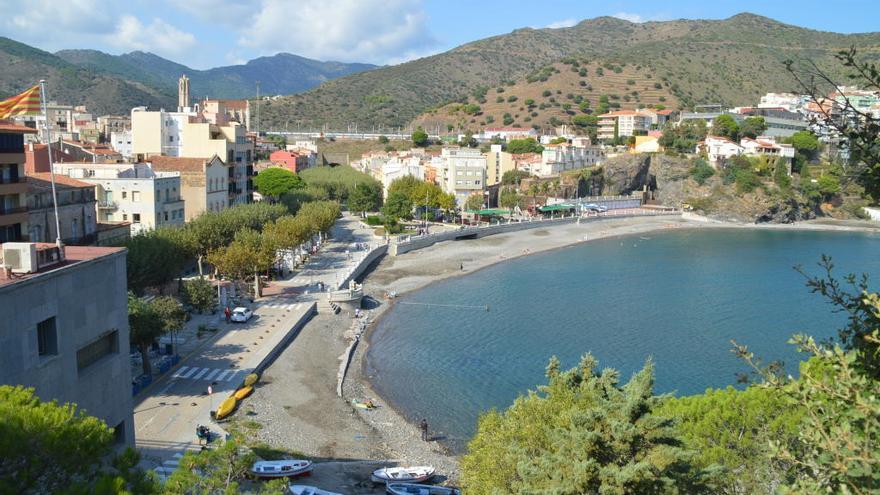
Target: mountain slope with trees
x,y
731,61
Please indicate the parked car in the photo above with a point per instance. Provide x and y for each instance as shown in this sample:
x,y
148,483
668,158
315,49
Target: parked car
x,y
241,315
595,207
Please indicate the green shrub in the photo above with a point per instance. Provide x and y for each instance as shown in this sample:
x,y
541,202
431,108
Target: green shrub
x,y
375,220
701,171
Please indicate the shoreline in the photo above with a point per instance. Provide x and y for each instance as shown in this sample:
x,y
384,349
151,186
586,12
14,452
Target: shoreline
x,y
296,406
623,227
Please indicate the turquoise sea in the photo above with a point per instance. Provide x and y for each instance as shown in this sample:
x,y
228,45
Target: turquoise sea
x,y
677,297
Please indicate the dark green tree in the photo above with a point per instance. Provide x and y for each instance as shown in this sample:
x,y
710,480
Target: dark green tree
x,y
528,145
274,182
153,260
365,197
420,138
581,433
752,127
474,202
199,293
383,139
725,126
514,177
398,205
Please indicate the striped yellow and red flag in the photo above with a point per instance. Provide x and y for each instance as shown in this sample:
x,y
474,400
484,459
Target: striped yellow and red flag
x,y
27,103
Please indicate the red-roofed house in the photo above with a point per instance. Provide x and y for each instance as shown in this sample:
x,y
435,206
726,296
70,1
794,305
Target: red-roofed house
x,y
719,149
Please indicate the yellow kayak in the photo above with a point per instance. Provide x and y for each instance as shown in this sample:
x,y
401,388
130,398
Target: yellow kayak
x,y
251,379
226,407
243,392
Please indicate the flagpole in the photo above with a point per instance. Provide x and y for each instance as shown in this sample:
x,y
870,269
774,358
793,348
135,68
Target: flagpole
x,y
43,106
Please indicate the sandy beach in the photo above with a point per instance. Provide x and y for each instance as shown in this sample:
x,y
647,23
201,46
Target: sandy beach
x,y
297,406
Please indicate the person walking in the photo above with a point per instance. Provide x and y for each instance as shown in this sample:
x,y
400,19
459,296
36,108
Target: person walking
x,y
228,313
424,427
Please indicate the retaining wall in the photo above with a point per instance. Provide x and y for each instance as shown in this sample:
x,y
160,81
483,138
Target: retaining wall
x,y
284,340
363,264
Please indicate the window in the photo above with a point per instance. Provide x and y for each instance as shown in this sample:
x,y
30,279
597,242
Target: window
x,y
47,337
90,354
170,139
124,195
135,217
135,196
166,216
119,433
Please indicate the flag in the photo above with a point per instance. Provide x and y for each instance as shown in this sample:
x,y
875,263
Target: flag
x,y
27,103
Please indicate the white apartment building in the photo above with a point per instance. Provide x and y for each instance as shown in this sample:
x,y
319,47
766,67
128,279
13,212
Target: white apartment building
x,y
461,171
131,192
788,101
398,167
628,123
121,143
559,158
507,133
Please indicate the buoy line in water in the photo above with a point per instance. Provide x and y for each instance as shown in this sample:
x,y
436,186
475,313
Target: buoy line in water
x,y
460,306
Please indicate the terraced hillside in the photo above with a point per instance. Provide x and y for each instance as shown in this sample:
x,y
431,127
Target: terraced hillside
x,y
731,61
553,95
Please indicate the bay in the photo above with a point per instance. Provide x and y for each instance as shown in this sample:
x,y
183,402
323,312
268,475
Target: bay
x,y
677,298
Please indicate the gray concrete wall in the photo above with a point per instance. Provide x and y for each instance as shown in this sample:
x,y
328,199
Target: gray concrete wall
x,y
284,339
87,299
359,268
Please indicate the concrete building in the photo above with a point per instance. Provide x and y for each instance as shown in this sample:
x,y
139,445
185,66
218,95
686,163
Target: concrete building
x,y
131,192
60,121
13,182
507,133
222,112
77,215
718,149
183,94
462,172
290,160
88,152
69,339
788,101
399,167
108,124
188,135
624,123
497,163
121,143
203,182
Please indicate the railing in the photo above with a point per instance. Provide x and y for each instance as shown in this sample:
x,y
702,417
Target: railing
x,y
12,180
107,205
13,211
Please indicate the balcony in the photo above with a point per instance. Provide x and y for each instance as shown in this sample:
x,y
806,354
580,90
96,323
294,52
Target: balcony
x,y
13,210
107,205
13,180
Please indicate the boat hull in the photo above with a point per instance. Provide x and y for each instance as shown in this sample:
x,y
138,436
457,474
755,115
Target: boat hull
x,y
417,489
407,475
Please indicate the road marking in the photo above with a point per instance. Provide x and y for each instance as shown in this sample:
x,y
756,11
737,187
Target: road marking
x,y
201,373
180,371
232,376
189,373
221,375
211,374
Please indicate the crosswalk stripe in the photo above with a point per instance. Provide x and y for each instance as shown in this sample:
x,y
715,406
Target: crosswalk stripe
x,y
201,373
221,375
178,455
232,376
189,373
171,463
211,374
180,371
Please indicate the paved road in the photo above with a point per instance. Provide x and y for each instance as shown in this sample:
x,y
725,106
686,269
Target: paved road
x,y
167,414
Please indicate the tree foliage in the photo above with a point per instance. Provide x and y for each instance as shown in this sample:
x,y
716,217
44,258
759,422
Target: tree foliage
x,y
199,294
514,177
365,197
752,127
153,260
420,138
274,182
474,202
580,433
149,320
725,126
398,205
684,137
701,171
336,183
528,145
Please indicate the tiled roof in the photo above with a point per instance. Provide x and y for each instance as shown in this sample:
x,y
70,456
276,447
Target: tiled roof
x,y
177,164
43,180
509,129
7,126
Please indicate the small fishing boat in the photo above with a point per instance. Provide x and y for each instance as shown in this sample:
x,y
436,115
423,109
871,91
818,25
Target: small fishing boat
x,y
281,469
411,474
309,490
243,392
416,489
226,407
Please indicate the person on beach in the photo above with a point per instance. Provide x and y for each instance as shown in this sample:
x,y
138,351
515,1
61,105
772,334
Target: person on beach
x,y
424,427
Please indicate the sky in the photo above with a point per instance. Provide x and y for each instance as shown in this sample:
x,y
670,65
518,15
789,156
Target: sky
x,y
209,33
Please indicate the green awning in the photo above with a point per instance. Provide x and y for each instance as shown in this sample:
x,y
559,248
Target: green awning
x,y
489,212
558,207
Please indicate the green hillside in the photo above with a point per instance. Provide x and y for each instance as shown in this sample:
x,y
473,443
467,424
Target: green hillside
x,y
731,61
23,66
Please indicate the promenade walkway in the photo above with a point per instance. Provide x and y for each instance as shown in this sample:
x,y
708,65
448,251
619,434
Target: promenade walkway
x,y
167,413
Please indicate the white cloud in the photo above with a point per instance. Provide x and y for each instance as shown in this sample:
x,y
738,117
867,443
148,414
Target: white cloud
x,y
375,31
562,24
158,37
639,18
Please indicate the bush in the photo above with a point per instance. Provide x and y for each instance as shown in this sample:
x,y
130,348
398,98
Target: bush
x,y
701,171
375,220
746,181
199,294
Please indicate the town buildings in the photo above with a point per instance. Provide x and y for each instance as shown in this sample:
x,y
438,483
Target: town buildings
x,y
497,163
507,133
461,171
623,123
204,182
290,160
13,183
65,331
719,149
77,216
131,192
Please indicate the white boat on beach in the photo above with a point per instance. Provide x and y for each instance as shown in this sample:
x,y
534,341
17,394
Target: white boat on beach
x,y
309,490
416,489
281,469
412,474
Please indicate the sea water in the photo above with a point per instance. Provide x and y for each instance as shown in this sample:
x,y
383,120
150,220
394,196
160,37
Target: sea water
x,y
678,298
